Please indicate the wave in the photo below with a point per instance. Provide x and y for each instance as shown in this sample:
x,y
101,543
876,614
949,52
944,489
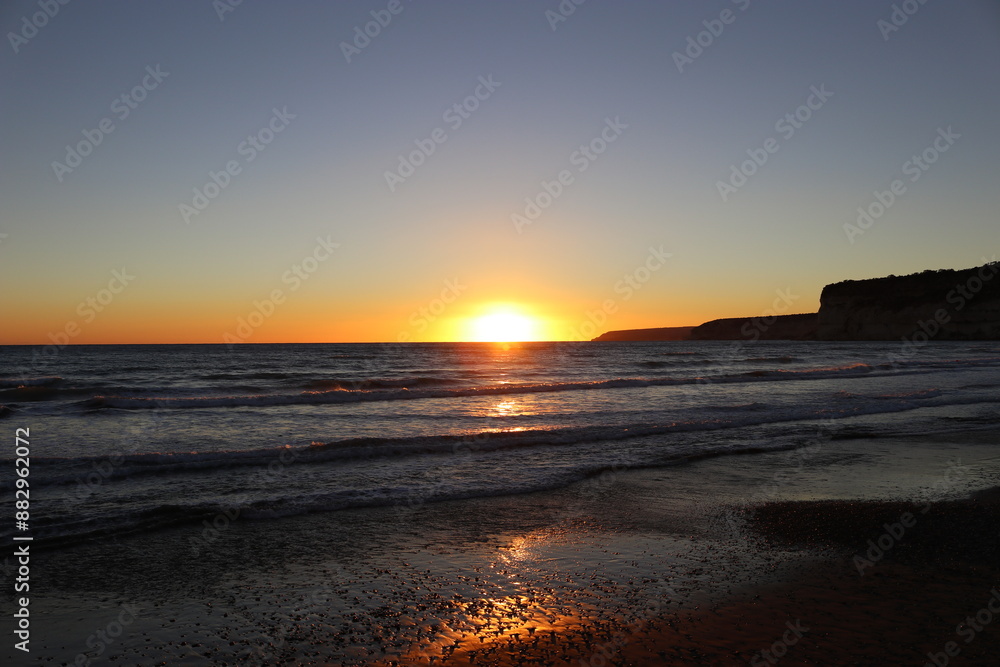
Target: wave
x,y
66,470
979,385
341,395
741,406
409,497
8,383
923,393
55,393
57,389
261,375
906,395
30,393
255,470
368,384
114,520
319,391
832,371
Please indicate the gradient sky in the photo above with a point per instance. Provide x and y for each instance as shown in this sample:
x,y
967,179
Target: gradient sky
x,y
323,175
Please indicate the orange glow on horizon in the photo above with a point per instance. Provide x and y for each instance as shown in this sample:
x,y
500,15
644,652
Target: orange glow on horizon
x,y
503,325
165,318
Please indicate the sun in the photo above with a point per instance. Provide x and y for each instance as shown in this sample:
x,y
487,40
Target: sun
x,y
503,326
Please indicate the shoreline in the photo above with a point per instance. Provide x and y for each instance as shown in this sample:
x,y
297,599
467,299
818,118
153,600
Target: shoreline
x,y
646,566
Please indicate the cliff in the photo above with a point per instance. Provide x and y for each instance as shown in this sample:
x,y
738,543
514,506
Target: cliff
x,y
944,305
661,333
775,327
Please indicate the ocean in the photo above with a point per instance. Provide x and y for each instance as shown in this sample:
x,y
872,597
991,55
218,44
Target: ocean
x,y
136,438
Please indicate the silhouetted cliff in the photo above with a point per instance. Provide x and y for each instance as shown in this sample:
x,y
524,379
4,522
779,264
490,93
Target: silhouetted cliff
x,y
944,305
661,333
775,327
941,305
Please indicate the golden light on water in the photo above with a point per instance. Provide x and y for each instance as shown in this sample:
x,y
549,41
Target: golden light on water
x,y
507,408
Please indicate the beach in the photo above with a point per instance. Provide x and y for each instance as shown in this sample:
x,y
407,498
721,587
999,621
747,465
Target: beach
x,y
500,333
638,567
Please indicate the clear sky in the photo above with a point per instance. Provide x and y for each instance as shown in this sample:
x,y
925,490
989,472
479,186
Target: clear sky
x,y
649,226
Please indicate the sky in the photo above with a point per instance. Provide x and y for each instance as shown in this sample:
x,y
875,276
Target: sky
x,y
182,172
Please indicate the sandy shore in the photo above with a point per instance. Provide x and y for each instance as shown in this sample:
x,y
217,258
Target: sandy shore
x,y
663,566
932,596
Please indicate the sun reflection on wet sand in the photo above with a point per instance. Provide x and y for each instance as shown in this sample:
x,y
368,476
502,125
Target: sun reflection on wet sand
x,y
482,630
499,627
545,597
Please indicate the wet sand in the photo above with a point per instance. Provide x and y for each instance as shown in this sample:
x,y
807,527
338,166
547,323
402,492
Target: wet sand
x,y
933,596
687,565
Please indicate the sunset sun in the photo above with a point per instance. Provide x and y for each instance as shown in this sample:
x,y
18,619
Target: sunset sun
x,y
503,326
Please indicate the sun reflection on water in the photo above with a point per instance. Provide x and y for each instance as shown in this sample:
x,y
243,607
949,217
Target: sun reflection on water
x,y
508,407
505,408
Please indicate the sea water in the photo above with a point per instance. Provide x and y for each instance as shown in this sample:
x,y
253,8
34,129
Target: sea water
x,y
140,437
